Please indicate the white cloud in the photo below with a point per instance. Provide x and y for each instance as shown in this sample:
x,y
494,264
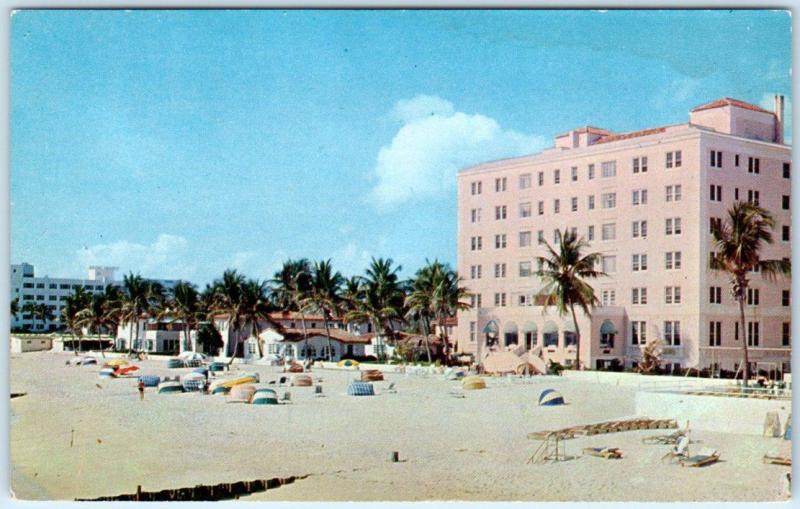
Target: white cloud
x,y
167,257
351,259
433,143
768,103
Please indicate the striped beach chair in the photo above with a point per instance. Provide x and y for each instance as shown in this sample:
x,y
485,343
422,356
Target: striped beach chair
x,y
360,389
193,385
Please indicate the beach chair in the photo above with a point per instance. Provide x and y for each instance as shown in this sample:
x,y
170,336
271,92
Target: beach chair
x,y
777,460
669,439
603,452
679,452
390,389
706,456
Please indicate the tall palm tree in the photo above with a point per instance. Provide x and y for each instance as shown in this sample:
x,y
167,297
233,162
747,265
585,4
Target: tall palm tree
x,y
291,286
738,241
14,307
563,274
325,295
112,297
74,304
184,306
39,311
255,308
95,317
377,298
138,298
227,298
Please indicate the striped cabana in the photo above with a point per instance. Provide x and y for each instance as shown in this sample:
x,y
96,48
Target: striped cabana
x,y
264,396
550,397
360,389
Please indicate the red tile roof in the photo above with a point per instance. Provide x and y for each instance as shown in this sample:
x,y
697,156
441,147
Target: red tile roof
x,y
295,335
587,129
727,101
634,134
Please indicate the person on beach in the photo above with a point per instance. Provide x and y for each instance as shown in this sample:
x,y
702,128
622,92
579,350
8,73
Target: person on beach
x,y
141,390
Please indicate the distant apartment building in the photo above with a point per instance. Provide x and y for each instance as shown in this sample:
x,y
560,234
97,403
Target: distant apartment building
x,y
53,291
646,201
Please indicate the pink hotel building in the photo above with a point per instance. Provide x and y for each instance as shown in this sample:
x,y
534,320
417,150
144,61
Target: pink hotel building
x,y
645,200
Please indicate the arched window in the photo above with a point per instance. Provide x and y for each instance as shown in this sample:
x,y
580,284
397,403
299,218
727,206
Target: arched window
x,y
570,339
607,334
492,332
530,333
550,334
511,334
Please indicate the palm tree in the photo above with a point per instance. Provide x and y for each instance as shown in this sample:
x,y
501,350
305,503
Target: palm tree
x,y
94,316
377,298
74,304
325,295
38,311
290,287
563,274
138,297
183,305
14,307
227,298
738,241
112,297
255,309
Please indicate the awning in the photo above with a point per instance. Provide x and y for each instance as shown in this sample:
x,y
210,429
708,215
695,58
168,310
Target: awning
x,y
550,327
608,327
510,327
529,327
568,326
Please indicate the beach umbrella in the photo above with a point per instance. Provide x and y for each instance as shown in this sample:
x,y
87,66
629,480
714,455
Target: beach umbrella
x,y
265,396
192,356
347,363
550,397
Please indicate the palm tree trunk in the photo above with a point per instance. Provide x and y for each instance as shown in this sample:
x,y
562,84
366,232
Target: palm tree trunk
x,y
577,338
746,370
305,332
258,339
186,334
235,343
328,334
426,330
446,341
100,342
130,338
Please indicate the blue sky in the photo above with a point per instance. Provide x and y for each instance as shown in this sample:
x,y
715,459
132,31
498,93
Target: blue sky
x,y
181,143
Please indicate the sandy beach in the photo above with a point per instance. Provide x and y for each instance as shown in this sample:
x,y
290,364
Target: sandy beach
x,y
472,448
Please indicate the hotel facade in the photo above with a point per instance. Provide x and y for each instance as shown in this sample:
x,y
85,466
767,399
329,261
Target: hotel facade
x,y
646,201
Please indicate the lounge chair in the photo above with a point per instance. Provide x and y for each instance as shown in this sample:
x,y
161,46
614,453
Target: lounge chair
x,y
706,456
670,439
679,452
603,452
777,460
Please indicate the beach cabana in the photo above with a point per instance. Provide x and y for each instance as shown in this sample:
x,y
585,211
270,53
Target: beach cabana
x,y
170,385
150,380
472,383
302,381
360,389
192,356
242,393
265,396
550,397
371,375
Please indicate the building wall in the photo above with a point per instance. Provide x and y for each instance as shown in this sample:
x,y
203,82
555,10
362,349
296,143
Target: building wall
x,y
695,175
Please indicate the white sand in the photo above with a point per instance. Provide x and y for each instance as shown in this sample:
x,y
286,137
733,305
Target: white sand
x,y
452,449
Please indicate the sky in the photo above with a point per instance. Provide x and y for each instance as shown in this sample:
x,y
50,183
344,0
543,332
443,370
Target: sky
x,y
178,144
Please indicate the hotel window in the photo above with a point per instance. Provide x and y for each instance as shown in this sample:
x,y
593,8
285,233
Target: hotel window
x,y
574,205
640,197
608,200
673,193
540,236
785,233
609,168
476,243
715,223
752,196
500,184
541,208
591,202
786,338
556,176
475,215
525,181
752,165
609,231
500,212
475,271
674,159
473,331
715,294
574,172
753,333
476,187
714,333
499,299
523,300
524,239
785,298
524,269
787,170
672,333
590,173
639,296
638,332
574,231
499,270
716,159
525,209
736,160
500,241
590,232
556,206
716,192
785,202
673,226
672,295
639,262
608,264
639,229
640,165
52,297
752,296
609,297
556,237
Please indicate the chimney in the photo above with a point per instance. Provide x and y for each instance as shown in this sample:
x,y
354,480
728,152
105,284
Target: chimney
x,y
779,119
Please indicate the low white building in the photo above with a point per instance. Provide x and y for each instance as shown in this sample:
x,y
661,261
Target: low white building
x,y
30,343
154,336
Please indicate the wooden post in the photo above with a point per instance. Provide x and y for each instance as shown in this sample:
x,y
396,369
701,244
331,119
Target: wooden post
x,y
138,492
